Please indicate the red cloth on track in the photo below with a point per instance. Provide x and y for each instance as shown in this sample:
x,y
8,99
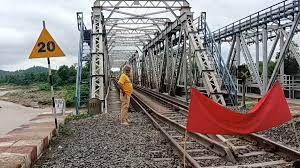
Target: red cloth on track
x,y
208,117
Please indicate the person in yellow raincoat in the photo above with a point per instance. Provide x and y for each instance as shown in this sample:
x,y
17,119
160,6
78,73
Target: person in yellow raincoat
x,y
126,90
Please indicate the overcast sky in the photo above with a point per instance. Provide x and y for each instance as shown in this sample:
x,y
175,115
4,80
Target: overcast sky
x,y
21,24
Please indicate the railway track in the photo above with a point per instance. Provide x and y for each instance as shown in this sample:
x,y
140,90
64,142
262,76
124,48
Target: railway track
x,y
170,116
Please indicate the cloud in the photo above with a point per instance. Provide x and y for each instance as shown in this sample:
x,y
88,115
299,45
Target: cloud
x,y
21,23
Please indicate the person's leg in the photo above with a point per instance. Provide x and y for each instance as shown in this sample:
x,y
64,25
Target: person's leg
x,y
123,103
127,102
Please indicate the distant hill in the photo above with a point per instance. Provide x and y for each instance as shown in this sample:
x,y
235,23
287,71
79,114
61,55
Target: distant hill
x,y
35,69
4,73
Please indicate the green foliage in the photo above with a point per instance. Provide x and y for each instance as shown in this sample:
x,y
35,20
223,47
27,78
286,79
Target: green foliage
x,y
44,87
271,67
63,76
70,95
291,66
86,71
4,73
78,117
64,79
24,79
64,130
66,75
250,105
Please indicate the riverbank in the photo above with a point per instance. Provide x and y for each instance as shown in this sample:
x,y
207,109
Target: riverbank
x,y
28,96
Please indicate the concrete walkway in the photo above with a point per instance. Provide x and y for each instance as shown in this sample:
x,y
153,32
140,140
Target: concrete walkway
x,y
22,146
12,115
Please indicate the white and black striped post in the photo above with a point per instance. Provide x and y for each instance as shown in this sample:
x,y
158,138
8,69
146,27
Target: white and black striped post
x,y
51,86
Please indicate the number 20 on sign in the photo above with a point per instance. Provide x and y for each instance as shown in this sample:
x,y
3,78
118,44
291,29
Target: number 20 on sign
x,y
46,47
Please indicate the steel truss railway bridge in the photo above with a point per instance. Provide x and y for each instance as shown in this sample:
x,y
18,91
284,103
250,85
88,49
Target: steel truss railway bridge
x,y
171,50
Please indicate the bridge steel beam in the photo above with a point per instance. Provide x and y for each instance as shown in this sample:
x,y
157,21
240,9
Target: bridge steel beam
x,y
265,60
279,14
285,47
173,54
108,4
79,66
83,58
259,29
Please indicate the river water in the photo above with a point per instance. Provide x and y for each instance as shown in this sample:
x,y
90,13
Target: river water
x,y
13,115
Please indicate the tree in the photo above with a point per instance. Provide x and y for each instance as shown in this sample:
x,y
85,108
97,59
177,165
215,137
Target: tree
x,y
271,67
63,74
291,66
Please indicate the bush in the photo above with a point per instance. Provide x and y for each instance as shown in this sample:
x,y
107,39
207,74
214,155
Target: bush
x,y
77,117
44,87
70,94
64,80
64,130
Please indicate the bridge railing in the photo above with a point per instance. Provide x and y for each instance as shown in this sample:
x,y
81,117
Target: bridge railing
x,y
273,13
227,80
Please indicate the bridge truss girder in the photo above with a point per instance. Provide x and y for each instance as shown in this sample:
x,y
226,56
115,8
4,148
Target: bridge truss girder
x,y
258,31
167,61
108,4
167,53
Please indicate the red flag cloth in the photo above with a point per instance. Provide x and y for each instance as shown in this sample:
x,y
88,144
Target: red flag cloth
x,y
208,117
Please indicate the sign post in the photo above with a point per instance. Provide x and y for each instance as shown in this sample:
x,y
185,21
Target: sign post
x,y
243,74
46,47
52,92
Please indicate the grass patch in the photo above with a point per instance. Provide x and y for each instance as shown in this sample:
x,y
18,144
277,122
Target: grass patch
x,y
78,117
250,105
44,87
64,130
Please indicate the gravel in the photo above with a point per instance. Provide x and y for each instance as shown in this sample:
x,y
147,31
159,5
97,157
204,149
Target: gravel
x,y
102,142
285,134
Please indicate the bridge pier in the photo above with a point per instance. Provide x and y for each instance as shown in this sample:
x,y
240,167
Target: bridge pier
x,y
99,57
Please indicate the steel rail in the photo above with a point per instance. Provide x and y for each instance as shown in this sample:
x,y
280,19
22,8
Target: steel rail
x,y
209,143
262,141
142,106
177,146
166,99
